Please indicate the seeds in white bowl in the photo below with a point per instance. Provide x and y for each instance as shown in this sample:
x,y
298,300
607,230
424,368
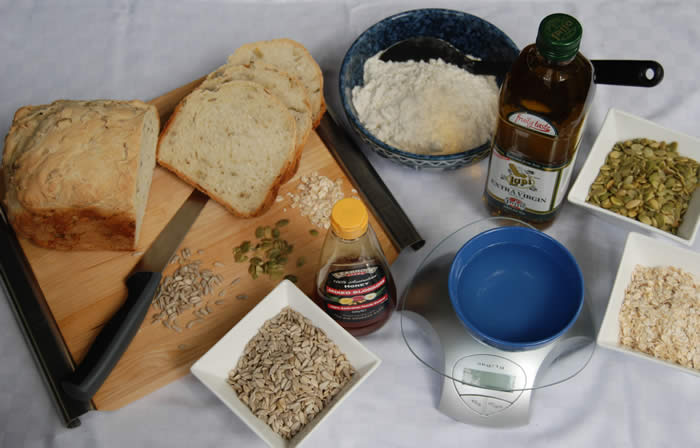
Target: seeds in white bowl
x,y
660,315
289,372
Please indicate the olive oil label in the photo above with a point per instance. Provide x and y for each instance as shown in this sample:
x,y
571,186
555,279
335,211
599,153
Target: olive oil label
x,y
533,122
526,187
356,295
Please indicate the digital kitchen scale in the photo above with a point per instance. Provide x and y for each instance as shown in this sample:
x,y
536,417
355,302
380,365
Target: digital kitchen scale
x,y
482,384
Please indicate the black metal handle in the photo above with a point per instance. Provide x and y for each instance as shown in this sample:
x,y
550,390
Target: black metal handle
x,y
627,72
38,324
398,226
115,337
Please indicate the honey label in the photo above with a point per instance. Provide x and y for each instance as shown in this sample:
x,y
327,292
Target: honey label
x,y
356,295
526,187
533,122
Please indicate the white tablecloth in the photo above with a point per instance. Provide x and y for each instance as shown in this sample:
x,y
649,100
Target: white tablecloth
x,y
141,49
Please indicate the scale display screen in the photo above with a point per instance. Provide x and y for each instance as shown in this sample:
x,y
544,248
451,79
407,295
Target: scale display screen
x,y
490,380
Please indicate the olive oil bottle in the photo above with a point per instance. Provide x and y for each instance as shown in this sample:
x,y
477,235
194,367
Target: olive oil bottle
x,y
543,105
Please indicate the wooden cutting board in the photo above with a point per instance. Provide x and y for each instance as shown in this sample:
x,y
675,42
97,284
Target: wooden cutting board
x,y
84,289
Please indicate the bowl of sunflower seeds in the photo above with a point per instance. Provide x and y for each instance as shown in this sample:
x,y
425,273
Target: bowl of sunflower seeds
x,y
285,367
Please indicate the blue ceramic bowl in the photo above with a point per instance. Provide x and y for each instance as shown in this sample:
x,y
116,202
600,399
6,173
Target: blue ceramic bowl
x,y
468,33
515,288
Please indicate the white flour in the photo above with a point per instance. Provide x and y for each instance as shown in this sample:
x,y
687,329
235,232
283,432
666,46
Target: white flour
x,y
426,107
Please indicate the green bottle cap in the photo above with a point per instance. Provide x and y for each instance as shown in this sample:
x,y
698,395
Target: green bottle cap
x,y
559,37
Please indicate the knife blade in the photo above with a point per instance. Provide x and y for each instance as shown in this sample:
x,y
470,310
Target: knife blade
x,y
142,282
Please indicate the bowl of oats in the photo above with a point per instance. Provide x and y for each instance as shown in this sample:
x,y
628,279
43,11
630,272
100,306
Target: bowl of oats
x,y
643,176
424,114
654,307
285,367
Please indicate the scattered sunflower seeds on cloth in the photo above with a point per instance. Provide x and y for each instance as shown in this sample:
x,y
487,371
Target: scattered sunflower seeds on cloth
x,y
289,372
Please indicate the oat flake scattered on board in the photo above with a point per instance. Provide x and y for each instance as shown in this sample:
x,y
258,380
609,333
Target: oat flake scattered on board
x,y
315,198
660,315
289,372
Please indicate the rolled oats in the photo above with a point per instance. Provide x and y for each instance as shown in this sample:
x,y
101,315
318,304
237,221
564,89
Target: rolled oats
x,y
660,315
315,198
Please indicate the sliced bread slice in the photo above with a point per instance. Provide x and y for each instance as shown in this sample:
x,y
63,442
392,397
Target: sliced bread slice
x,y
234,142
292,57
281,84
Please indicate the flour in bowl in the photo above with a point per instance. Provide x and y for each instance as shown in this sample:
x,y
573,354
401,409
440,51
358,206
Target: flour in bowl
x,y
432,108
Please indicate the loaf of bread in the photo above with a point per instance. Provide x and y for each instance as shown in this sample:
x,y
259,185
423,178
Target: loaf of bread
x,y
281,84
77,174
291,57
233,142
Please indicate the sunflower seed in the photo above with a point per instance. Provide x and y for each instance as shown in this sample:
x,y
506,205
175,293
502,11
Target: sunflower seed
x,y
183,290
277,392
191,323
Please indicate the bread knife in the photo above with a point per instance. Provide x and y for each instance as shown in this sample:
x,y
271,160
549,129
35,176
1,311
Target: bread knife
x,y
142,283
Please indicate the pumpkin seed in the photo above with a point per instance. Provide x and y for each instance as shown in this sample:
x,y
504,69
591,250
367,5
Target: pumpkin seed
x,y
646,180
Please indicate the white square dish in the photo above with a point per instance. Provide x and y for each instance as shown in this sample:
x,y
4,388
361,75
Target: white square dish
x,y
618,126
213,368
646,251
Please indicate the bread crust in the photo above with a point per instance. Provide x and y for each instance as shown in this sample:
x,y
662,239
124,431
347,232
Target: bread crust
x,y
264,206
86,229
59,194
249,50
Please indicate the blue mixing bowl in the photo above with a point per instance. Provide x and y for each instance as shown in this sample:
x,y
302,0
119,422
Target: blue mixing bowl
x,y
515,288
471,34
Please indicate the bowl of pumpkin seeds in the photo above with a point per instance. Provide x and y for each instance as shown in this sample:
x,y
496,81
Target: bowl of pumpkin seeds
x,y
643,174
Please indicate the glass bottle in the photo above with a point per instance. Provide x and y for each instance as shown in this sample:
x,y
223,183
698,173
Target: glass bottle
x,y
543,106
354,283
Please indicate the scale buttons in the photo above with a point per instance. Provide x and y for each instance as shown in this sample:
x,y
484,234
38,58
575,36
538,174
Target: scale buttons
x,y
494,405
476,403
485,405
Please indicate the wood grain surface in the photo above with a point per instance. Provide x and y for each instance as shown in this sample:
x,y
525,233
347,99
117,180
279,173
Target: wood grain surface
x,y
84,289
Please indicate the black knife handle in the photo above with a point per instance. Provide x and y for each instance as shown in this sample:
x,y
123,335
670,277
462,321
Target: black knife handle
x,y
627,72
115,337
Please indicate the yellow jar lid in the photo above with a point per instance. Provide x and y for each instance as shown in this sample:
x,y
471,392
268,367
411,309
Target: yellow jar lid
x,y
349,218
